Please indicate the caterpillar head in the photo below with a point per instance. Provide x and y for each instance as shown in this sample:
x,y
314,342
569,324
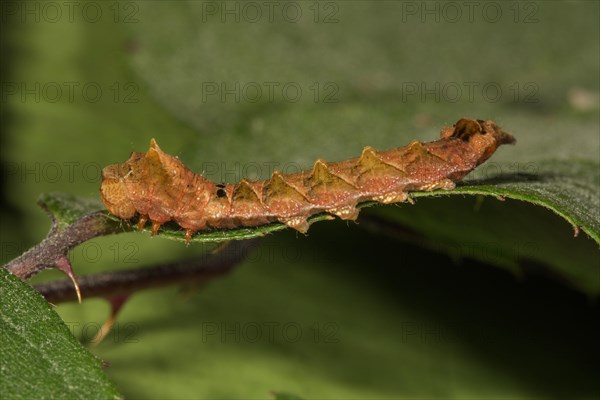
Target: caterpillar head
x,y
114,191
483,137
124,189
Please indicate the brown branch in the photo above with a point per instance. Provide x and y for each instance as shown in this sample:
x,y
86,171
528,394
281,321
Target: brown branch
x,y
108,284
71,228
59,241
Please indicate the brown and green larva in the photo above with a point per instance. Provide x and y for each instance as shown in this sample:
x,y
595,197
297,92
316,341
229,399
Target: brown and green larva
x,y
159,187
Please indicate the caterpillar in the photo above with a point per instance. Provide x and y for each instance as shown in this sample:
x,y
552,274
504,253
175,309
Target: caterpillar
x,y
160,188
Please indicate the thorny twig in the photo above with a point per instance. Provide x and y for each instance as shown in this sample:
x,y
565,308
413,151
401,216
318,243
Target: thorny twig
x,y
52,252
116,286
109,284
47,253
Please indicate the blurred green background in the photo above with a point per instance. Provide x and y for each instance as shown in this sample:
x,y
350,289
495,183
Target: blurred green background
x,y
357,311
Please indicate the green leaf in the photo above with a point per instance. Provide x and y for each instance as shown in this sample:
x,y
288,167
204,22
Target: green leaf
x,y
569,188
39,357
536,241
514,235
65,208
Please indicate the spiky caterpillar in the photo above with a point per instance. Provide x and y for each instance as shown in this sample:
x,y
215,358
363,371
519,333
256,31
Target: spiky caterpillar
x,y
159,187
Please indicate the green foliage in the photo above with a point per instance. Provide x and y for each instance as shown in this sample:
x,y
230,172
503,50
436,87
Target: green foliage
x,y
40,356
498,331
65,208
